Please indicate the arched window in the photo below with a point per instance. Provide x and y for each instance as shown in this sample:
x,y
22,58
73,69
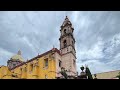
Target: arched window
x,y
60,63
65,43
64,31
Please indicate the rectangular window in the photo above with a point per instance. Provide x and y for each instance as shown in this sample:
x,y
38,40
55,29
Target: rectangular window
x,y
46,62
31,67
21,70
25,69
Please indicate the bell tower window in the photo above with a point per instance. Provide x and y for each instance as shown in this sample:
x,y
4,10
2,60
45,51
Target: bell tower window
x,y
65,43
64,31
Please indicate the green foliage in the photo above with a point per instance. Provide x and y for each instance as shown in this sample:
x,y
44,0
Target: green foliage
x,y
118,76
88,73
63,72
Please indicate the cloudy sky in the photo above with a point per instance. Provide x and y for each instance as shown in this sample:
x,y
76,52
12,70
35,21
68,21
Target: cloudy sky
x,y
97,35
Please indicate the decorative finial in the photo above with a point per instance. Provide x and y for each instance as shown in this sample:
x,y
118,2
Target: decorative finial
x,y
19,52
66,18
95,75
82,68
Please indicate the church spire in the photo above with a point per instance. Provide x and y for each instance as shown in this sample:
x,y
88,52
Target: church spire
x,y
66,21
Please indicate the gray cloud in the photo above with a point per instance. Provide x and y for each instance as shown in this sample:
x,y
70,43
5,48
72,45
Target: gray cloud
x,y
97,35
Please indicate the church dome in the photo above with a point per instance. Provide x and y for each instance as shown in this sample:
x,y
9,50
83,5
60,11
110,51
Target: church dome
x,y
17,57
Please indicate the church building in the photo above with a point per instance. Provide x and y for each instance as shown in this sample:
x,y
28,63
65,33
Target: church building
x,y
47,65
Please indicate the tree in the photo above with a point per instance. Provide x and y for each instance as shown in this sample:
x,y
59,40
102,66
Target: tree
x,y
118,76
63,72
88,73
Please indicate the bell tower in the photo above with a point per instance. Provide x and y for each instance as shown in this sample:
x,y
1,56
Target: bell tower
x,y
67,46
